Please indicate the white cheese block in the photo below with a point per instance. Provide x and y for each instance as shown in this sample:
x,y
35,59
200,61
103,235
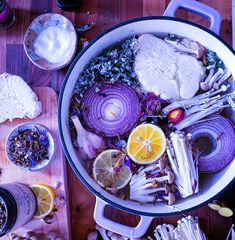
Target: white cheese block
x,y
164,71
17,100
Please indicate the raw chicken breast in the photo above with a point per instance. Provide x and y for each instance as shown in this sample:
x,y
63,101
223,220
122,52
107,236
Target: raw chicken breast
x,y
163,70
17,100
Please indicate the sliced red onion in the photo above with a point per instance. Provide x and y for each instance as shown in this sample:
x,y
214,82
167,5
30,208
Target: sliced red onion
x,y
114,109
214,137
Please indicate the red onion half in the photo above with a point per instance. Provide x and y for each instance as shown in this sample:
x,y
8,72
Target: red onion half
x,y
214,137
113,110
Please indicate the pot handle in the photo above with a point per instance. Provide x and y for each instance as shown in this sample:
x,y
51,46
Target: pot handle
x,y
196,7
130,232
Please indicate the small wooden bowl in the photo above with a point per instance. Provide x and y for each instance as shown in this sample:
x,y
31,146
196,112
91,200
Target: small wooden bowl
x,y
29,126
39,24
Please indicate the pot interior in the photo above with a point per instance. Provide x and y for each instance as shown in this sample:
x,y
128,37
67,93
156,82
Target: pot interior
x,y
210,184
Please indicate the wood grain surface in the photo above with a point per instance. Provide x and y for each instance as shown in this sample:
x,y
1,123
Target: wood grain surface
x,y
54,173
105,13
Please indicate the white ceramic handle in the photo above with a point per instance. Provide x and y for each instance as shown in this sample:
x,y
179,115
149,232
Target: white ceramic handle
x,y
198,8
130,232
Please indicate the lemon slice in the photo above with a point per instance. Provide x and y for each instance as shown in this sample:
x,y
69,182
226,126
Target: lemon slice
x,y
45,199
146,143
110,171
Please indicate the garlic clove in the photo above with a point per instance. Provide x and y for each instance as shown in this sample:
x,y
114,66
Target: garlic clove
x,y
92,235
96,141
88,143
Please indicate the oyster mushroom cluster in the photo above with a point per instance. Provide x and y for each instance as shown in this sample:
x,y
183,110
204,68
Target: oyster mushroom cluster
x,y
153,184
187,228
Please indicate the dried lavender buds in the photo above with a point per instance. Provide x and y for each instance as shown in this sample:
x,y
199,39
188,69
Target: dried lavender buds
x,y
29,147
3,213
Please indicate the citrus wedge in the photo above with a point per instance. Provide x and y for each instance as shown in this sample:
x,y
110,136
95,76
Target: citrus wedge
x,y
146,143
45,199
110,171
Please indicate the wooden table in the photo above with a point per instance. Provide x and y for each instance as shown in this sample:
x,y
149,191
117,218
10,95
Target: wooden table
x,y
105,13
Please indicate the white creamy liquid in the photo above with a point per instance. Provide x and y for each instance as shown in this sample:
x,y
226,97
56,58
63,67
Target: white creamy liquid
x,y
53,44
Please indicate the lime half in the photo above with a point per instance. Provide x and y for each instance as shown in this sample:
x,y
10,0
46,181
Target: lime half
x,y
110,171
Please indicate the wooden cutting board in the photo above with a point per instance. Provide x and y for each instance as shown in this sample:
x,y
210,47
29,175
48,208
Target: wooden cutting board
x,y
53,174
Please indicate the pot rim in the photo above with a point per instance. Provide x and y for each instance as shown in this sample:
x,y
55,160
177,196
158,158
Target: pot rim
x,y
77,172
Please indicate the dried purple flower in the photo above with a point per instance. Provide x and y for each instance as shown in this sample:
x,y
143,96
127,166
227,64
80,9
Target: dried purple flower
x,y
151,106
121,144
128,162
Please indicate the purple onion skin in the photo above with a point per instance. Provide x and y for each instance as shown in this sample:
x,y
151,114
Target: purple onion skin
x,y
117,95
150,105
159,196
223,133
128,162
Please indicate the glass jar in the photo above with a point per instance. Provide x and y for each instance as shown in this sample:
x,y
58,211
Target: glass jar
x,y
7,15
17,206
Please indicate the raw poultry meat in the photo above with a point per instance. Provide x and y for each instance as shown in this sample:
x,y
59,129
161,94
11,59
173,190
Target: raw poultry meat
x,y
17,100
164,70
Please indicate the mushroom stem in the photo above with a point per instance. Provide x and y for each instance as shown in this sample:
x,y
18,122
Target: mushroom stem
x,y
204,85
224,77
202,107
183,164
219,72
187,46
197,100
212,71
187,229
208,109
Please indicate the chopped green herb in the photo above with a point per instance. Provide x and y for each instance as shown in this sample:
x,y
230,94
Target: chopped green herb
x,y
172,37
115,65
213,61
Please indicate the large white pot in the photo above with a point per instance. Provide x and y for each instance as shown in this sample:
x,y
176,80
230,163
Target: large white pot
x,y
210,185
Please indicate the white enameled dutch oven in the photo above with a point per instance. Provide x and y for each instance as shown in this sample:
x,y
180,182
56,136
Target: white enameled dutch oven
x,y
210,185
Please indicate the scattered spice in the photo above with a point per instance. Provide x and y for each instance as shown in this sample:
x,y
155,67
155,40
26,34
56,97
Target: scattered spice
x,y
29,148
3,213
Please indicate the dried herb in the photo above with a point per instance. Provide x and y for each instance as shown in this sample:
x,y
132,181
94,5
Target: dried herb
x,y
172,37
29,148
3,213
114,65
151,105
